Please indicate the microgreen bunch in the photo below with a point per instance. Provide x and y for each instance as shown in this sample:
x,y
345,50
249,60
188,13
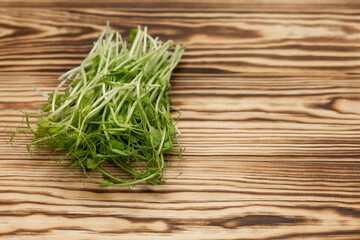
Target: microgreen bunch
x,y
116,108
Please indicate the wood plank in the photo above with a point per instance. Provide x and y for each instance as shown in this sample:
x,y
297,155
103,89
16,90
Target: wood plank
x,y
288,116
217,42
199,5
269,93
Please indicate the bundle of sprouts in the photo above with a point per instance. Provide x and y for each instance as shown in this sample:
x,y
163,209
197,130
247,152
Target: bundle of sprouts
x,y
115,108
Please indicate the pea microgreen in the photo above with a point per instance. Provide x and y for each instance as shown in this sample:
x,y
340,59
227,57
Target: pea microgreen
x,y
115,108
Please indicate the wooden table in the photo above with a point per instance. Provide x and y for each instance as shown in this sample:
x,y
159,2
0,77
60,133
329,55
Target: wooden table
x,y
270,100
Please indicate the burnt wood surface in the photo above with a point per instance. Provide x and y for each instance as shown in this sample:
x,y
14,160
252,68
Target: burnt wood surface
x,y
269,94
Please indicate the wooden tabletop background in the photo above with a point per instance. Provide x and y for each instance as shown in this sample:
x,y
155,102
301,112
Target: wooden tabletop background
x,y
270,98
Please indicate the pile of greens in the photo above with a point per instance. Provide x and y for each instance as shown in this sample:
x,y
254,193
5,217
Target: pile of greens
x,y
115,108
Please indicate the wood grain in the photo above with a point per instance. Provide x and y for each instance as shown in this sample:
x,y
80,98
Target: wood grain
x,y
269,93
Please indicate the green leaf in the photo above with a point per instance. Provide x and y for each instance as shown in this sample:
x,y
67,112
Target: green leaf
x,y
90,163
96,60
156,135
133,33
105,183
116,144
47,107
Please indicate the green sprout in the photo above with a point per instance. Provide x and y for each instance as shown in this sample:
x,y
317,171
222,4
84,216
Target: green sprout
x,y
116,108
